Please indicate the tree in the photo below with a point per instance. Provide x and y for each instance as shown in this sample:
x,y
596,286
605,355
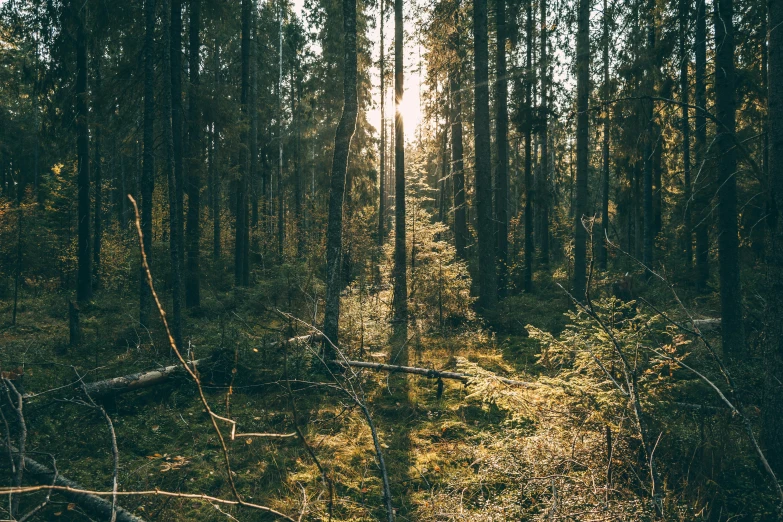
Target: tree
x,y
649,145
175,208
686,130
148,172
773,419
701,197
192,274
732,328
501,139
542,191
527,125
97,236
457,172
400,269
582,98
84,273
342,145
241,259
487,266
382,143
600,242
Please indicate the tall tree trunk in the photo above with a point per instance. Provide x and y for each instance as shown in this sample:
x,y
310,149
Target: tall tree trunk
x,y
501,139
457,172
175,210
241,214
97,237
280,199
251,185
530,191
542,190
582,137
148,169
177,126
600,241
216,185
701,196
684,13
649,140
400,273
382,176
732,329
342,145
84,273
487,267
193,272
773,417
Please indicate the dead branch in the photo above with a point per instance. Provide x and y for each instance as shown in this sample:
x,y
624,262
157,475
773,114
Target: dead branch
x,y
135,381
424,372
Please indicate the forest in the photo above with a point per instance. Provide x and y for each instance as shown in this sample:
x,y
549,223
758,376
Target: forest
x,y
359,260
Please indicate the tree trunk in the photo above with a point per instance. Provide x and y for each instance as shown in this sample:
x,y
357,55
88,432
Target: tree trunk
x,y
148,169
732,329
649,140
582,137
84,273
98,203
177,125
701,197
773,419
382,175
686,133
280,199
216,184
240,260
530,191
487,270
342,145
193,272
600,241
501,139
168,142
400,275
457,172
542,190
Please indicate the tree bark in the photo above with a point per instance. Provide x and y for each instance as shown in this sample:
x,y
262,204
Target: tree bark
x,y
342,145
487,266
701,197
177,127
382,175
732,331
175,210
684,8
457,165
501,140
647,111
600,241
97,237
84,272
773,418
400,269
542,190
193,272
530,191
215,192
582,137
148,168
240,259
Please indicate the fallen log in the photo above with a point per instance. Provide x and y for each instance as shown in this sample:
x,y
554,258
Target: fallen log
x,y
424,372
97,506
135,381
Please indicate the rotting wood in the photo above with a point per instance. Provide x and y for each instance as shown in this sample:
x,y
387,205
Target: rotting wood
x,y
135,381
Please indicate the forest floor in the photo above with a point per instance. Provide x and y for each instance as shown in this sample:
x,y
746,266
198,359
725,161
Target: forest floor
x,y
452,453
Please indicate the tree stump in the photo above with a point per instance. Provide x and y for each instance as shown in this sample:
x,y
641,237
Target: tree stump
x,y
73,324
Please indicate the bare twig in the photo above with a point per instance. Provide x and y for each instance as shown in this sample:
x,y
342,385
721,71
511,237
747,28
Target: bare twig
x,y
19,409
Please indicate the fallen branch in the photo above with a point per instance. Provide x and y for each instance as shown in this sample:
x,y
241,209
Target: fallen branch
x,y
99,507
425,372
135,381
